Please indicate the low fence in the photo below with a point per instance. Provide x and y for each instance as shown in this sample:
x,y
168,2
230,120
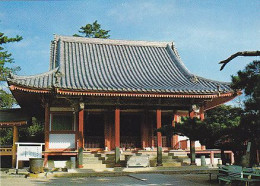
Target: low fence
x,y
6,151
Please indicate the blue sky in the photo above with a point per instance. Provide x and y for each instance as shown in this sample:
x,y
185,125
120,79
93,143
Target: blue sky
x,y
204,32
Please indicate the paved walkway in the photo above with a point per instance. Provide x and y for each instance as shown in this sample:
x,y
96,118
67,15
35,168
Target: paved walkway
x,y
131,179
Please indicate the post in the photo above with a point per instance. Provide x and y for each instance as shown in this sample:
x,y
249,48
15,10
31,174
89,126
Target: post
x,y
117,137
117,128
192,147
174,137
212,158
47,126
14,148
202,117
159,137
159,125
144,131
192,153
232,159
46,132
81,136
107,132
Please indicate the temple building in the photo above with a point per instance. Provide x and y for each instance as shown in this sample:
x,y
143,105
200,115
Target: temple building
x,y
100,94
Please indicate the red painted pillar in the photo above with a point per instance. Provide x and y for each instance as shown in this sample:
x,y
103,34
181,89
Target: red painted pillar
x,y
192,145
117,128
81,129
159,125
202,117
211,157
81,136
144,131
151,131
106,131
174,137
47,131
232,159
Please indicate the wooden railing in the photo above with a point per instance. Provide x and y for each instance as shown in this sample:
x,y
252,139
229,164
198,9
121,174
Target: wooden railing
x,y
5,151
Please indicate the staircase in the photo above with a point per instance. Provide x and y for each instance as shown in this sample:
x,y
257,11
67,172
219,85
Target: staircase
x,y
175,158
93,161
180,156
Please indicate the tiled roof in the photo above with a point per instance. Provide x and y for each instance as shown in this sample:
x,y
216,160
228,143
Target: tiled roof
x,y
15,116
90,64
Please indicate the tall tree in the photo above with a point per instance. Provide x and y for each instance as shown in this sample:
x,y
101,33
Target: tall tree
x,y
6,99
93,31
248,80
5,56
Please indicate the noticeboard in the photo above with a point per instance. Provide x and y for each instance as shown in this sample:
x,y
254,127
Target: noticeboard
x,y
25,151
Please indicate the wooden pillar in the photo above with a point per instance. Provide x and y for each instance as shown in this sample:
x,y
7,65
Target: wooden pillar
x,y
211,157
45,161
14,148
117,128
80,135
144,131
159,125
47,132
192,146
202,117
81,129
174,140
151,131
108,131
47,126
232,159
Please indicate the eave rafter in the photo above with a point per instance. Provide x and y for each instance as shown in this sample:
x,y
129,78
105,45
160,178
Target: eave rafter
x,y
120,94
12,123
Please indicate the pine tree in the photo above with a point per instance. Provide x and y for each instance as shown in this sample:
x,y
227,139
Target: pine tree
x,y
93,31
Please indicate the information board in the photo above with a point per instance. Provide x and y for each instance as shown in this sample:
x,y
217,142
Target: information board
x,y
25,151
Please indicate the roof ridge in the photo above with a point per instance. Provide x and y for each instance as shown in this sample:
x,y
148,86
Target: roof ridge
x,y
31,76
112,41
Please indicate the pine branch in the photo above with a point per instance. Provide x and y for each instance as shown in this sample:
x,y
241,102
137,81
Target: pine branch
x,y
244,53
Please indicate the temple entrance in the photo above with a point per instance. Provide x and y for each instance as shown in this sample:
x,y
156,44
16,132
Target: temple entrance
x,y
130,130
94,130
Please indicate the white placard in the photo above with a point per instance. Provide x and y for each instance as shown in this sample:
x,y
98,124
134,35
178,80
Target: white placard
x,y
25,151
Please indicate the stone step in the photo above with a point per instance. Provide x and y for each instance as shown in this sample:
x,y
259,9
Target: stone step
x,y
170,160
177,153
94,166
92,162
167,157
91,158
90,155
172,164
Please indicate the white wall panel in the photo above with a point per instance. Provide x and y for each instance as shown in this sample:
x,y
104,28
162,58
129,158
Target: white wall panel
x,y
62,141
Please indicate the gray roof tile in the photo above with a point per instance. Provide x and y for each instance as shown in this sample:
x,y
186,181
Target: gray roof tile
x,y
114,65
